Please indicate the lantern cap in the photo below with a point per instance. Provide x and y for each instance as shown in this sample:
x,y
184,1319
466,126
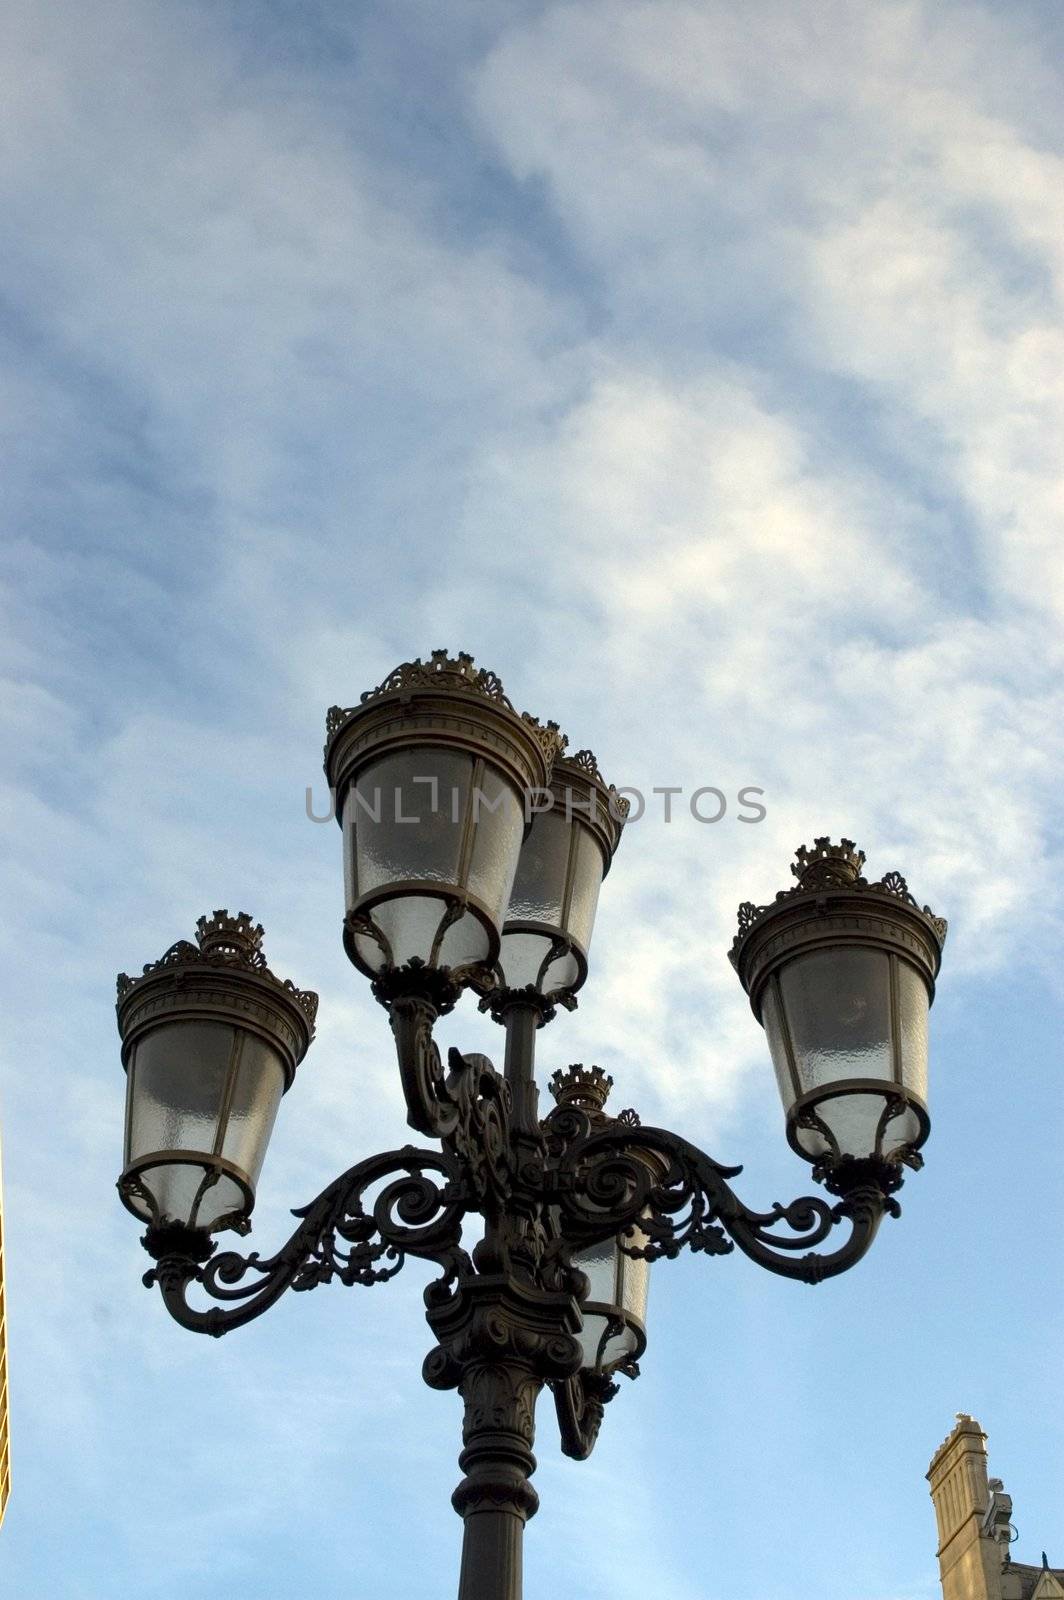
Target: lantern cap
x,y
580,788
225,941
833,870
457,674
446,702
223,977
586,762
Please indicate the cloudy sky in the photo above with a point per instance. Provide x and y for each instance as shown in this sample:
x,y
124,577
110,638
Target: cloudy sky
x,y
700,368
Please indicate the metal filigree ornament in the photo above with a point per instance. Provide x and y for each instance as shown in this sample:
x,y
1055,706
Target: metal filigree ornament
x,y
571,1208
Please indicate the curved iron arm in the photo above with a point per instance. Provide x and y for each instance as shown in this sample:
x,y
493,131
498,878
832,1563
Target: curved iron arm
x,y
429,1108
414,1214
469,1108
623,1178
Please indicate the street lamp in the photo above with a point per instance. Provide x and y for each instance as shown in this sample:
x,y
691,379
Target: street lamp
x,y
474,851
210,1042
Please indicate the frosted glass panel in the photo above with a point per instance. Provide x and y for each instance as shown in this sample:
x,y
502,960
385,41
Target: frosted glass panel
x,y
635,1281
524,953
217,1200
838,1008
499,819
522,956
814,1143
619,1346
616,1280
464,941
599,1265
407,812
370,952
256,1096
590,1337
409,923
539,887
587,881
176,1086
912,1009
899,1131
539,895
175,1187
853,1119
777,1044
562,973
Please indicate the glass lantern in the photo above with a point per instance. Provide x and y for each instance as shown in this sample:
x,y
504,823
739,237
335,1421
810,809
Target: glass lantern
x,y
210,1042
431,772
614,1332
613,1336
841,974
567,853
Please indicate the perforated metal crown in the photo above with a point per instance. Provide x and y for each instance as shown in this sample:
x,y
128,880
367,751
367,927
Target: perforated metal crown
x,y
237,936
827,864
587,1088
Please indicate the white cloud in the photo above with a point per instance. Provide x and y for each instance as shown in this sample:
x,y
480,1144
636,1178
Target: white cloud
x,y
912,237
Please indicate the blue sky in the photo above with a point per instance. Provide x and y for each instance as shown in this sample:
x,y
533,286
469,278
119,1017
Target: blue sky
x,y
697,367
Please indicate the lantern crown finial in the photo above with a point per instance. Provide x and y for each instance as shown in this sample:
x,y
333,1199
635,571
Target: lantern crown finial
x,y
227,943
586,1088
236,937
820,870
827,865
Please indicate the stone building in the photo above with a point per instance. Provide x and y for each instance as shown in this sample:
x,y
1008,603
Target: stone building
x,y
975,1531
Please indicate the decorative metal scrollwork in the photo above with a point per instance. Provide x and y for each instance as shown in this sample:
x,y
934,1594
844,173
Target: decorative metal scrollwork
x,y
542,1194
468,1108
580,1403
338,1237
625,1178
480,1138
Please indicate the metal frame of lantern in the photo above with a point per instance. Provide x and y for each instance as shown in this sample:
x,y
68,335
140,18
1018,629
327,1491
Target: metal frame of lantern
x,y
440,708
508,1315
222,981
587,1089
584,812
833,910
580,1401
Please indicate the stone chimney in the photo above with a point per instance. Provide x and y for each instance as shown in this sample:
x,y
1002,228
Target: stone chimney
x,y
969,1558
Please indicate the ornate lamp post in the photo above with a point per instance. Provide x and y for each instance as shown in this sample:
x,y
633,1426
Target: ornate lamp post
x,y
474,851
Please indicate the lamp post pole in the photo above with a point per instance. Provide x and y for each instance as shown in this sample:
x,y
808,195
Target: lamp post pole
x,y
521,1018
499,1344
498,896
